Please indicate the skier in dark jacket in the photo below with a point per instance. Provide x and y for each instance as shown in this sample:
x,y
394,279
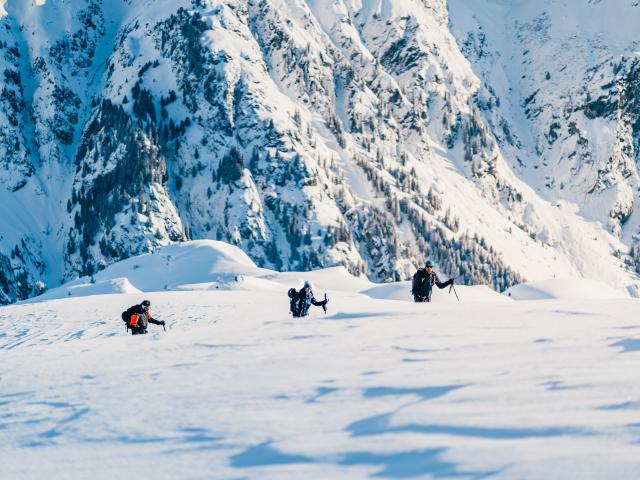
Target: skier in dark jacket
x,y
301,301
138,317
424,280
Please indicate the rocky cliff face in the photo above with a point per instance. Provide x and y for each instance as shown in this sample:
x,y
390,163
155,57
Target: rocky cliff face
x,y
567,75
371,134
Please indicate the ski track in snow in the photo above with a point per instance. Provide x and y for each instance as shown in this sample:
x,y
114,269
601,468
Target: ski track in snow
x,y
376,388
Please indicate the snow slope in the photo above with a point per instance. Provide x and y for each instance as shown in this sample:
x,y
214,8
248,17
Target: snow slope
x,y
378,387
374,389
563,78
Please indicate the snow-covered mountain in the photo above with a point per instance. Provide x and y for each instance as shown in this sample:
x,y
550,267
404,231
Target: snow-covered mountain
x,y
496,137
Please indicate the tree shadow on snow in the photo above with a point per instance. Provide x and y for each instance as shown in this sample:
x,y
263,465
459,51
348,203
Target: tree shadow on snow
x,y
351,316
321,392
411,464
621,406
264,455
405,464
393,465
628,344
381,424
425,393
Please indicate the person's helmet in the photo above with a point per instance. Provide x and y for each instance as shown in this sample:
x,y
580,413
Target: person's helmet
x,y
307,284
146,304
429,263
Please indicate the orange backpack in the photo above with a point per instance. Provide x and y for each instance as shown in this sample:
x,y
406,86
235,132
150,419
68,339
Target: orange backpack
x,y
135,320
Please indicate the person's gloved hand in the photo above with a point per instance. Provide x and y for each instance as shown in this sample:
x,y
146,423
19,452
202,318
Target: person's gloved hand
x,y
162,322
324,304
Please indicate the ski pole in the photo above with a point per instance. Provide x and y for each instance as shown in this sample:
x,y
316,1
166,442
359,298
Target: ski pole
x,y
324,307
454,291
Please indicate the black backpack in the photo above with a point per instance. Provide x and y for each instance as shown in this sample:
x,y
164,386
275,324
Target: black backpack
x,y
420,280
143,321
415,285
294,304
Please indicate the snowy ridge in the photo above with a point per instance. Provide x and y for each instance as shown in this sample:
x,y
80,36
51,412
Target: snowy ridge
x,y
311,134
206,265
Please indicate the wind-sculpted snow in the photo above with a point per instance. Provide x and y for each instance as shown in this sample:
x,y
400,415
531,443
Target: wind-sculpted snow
x,y
311,134
211,265
375,388
206,263
566,289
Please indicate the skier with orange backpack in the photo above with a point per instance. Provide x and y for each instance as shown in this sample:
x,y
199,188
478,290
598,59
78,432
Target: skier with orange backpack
x,y
138,317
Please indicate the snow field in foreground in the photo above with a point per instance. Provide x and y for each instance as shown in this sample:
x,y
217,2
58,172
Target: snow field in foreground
x,y
376,388
379,387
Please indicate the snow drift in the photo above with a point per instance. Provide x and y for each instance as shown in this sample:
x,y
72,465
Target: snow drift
x,y
567,288
212,265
